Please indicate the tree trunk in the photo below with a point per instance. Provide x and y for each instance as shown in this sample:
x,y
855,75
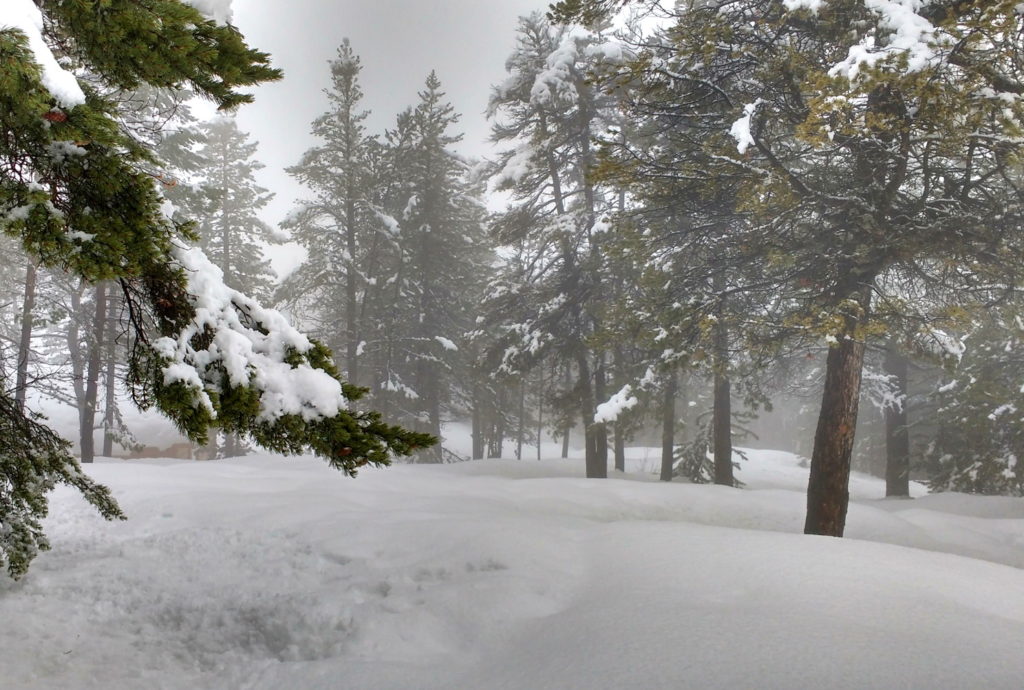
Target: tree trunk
x,y
668,426
897,433
620,447
351,302
92,375
601,429
521,431
828,492
722,415
568,425
540,409
595,468
110,393
722,412
478,430
25,343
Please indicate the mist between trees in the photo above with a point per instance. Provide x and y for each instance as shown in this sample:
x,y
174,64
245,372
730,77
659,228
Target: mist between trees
x,y
799,221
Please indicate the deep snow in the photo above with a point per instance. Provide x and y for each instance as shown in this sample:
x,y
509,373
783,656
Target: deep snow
x,y
271,573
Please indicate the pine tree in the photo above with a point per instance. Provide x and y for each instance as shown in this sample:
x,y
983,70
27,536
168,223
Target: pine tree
x,y
545,112
75,189
443,246
226,200
857,152
979,442
339,226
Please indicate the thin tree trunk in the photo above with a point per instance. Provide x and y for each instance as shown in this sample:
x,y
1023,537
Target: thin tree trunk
x,y
351,303
25,343
828,492
568,425
620,447
897,433
540,409
601,429
595,468
92,375
478,431
668,426
521,431
722,414
110,393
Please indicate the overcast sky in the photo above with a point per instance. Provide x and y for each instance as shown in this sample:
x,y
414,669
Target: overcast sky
x,y
399,42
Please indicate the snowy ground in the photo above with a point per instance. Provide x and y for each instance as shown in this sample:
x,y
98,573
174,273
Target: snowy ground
x,y
278,573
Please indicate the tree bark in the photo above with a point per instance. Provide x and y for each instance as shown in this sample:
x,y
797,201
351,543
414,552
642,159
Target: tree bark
x,y
828,492
110,393
897,433
722,415
478,431
595,468
92,375
668,426
601,429
620,447
25,343
521,430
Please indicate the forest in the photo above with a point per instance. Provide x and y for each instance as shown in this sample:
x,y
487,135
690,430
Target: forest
x,y
709,228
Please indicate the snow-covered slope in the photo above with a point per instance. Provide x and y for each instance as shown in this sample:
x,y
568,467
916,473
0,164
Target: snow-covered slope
x,y
279,573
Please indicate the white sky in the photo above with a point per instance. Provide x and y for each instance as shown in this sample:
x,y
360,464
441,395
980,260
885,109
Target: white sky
x,y
399,43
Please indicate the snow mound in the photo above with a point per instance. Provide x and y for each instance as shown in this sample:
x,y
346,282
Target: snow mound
x,y
267,572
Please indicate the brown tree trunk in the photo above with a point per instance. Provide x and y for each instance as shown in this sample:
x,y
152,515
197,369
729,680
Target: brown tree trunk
x,y
92,375
620,447
110,393
595,468
478,424
601,429
521,429
828,492
540,409
25,342
897,433
722,414
668,427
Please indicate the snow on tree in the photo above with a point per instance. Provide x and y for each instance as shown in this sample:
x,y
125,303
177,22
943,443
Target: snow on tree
x,y
75,189
339,226
876,138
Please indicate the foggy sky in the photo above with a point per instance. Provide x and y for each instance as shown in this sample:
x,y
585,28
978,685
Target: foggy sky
x,y
399,42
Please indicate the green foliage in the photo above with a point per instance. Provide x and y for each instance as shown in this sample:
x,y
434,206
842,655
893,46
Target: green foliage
x,y
161,43
979,443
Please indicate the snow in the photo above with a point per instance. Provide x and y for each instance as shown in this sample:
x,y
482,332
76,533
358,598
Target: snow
x,y
610,410
740,130
251,350
217,10
26,17
812,5
911,35
268,573
446,343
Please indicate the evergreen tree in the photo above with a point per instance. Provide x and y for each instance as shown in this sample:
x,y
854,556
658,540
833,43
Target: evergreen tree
x,y
444,251
549,303
858,151
226,200
338,227
75,189
979,441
